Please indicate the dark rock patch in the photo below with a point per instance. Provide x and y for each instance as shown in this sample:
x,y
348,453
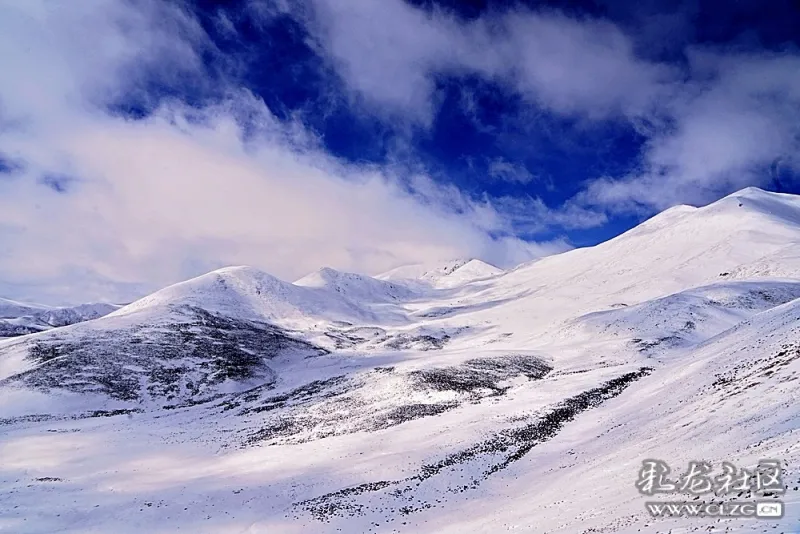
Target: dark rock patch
x,y
481,374
401,497
181,361
343,404
419,342
739,377
644,345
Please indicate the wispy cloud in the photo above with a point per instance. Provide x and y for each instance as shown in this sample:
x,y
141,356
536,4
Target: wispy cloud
x,y
736,117
531,216
502,169
389,52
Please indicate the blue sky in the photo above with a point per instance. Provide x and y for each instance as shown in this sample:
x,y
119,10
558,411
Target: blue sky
x,y
146,141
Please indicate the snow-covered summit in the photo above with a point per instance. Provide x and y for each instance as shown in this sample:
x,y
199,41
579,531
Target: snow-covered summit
x,y
356,286
681,248
247,293
755,202
449,273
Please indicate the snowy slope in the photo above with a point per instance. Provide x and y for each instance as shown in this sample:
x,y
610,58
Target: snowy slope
x,y
451,399
732,399
225,331
687,318
749,233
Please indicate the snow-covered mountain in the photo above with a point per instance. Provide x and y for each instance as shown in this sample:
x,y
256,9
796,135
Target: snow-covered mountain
x,y
248,293
446,274
357,287
443,398
10,309
18,318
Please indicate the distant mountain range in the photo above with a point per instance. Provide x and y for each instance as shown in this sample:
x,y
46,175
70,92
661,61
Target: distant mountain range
x,y
19,318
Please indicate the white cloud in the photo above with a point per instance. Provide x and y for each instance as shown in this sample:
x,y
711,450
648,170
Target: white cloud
x,y
531,216
711,128
739,116
583,67
184,191
390,52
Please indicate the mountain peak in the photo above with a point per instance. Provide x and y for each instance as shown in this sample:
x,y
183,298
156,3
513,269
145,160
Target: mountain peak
x,y
443,273
752,191
234,287
356,286
756,193
325,276
237,270
479,265
753,201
